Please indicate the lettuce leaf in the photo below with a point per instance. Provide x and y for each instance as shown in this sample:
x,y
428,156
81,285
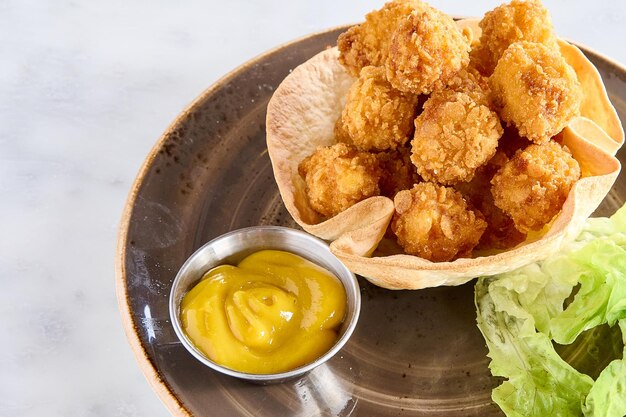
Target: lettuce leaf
x,y
602,295
539,382
607,396
520,313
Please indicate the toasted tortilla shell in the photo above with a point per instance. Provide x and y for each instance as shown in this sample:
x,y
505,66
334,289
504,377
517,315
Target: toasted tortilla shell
x,y
301,117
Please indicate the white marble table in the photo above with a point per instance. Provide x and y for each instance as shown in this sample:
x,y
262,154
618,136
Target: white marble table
x,y
85,90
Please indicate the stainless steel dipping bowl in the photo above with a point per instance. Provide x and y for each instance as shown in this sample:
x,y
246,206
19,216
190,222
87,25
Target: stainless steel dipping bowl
x,y
231,248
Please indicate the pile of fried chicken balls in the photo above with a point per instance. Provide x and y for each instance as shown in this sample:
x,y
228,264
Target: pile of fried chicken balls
x,y
462,134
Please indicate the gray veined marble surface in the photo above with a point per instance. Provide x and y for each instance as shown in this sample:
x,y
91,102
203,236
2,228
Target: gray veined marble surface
x,y
86,88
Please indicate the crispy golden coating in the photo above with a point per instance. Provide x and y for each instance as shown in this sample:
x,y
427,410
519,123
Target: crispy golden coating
x,y
341,134
339,176
519,20
500,232
398,172
376,116
354,52
454,136
535,90
427,49
470,81
534,184
435,223
368,43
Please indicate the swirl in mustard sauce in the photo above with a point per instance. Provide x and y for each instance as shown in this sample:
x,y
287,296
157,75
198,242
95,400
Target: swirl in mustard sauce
x,y
273,312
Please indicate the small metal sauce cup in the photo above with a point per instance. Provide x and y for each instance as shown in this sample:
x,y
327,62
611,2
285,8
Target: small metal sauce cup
x,y
231,248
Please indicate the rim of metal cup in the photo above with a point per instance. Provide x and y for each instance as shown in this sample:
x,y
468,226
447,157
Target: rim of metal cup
x,y
345,276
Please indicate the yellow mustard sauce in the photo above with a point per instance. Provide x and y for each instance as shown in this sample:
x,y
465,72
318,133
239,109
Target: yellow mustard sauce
x,y
273,312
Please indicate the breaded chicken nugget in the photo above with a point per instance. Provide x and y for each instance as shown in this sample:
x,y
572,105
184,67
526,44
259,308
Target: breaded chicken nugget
x,y
435,223
534,184
426,51
535,90
454,135
378,117
501,232
470,81
368,43
398,172
339,176
519,20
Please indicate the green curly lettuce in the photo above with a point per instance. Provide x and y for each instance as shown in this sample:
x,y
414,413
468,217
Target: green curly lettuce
x,y
521,313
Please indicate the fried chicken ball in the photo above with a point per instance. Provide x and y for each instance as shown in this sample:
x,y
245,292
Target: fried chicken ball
x,y
378,117
454,136
534,184
535,90
368,43
435,223
519,20
427,49
339,176
500,232
470,81
398,172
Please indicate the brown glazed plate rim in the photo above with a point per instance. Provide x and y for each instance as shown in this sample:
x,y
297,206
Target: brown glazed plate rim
x,y
161,388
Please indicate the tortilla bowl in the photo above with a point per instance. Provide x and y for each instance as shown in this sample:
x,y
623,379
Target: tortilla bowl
x,y
301,117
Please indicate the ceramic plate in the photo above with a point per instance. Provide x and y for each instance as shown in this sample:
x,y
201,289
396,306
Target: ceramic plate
x,y
418,353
